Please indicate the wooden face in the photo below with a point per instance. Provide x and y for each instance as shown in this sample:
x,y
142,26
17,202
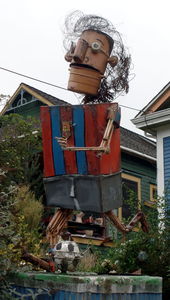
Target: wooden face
x,y
92,50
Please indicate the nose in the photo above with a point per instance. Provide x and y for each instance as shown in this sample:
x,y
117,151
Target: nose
x,y
80,51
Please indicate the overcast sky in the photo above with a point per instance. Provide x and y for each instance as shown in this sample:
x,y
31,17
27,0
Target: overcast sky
x,y
32,44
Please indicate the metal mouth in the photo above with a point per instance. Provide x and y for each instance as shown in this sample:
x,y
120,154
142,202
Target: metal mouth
x,y
83,66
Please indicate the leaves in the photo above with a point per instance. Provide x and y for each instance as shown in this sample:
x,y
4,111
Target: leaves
x,y
20,172
21,148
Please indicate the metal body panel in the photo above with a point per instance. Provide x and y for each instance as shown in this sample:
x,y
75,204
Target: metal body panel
x,y
80,180
87,124
87,193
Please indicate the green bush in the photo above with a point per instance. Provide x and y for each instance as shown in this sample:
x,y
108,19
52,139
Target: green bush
x,y
20,216
20,220
149,252
21,148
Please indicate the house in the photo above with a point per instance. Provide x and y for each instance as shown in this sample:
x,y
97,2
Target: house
x,y
138,153
154,119
138,157
27,101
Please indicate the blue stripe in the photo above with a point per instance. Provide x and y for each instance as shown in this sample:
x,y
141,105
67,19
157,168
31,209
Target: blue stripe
x,y
56,132
78,121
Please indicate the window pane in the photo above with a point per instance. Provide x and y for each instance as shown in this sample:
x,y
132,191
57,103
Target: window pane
x,y
130,195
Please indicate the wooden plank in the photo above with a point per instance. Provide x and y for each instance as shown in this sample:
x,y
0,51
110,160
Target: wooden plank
x,y
78,121
86,240
91,138
56,132
69,156
161,100
110,162
47,141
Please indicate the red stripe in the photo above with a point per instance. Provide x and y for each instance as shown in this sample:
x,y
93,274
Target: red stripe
x,y
46,141
69,156
109,163
91,139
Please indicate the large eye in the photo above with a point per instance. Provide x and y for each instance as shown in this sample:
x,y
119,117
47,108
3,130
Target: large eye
x,y
96,46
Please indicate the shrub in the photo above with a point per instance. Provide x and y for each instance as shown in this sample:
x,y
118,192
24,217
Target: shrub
x,y
148,252
20,216
21,148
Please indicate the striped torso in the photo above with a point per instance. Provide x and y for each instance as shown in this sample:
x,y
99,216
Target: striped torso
x,y
86,125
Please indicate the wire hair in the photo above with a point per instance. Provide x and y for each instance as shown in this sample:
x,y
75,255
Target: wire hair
x,y
115,79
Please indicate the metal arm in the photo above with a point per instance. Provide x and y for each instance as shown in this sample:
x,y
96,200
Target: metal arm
x,y
139,217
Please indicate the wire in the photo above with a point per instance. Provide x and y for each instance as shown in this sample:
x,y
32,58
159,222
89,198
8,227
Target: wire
x,y
130,107
54,85
32,78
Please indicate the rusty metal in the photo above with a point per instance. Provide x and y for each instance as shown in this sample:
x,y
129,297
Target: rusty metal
x,y
66,129
89,61
80,51
116,222
48,266
69,55
139,217
94,59
59,220
84,80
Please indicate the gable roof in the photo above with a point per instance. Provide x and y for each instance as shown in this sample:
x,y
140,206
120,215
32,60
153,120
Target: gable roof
x,y
139,145
156,113
157,102
38,94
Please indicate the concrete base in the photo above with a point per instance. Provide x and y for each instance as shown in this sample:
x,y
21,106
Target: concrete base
x,y
66,287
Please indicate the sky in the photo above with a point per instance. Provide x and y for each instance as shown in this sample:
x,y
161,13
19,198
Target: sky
x,y
31,34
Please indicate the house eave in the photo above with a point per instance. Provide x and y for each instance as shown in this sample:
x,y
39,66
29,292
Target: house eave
x,y
139,154
150,122
154,100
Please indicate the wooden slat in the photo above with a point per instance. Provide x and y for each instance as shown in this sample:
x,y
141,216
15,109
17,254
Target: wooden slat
x,y
47,142
91,138
78,121
69,157
57,224
109,163
56,132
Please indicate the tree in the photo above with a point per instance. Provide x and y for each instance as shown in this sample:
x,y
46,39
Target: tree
x,y
3,100
21,151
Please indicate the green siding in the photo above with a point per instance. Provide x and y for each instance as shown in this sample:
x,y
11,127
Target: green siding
x,y
142,169
30,109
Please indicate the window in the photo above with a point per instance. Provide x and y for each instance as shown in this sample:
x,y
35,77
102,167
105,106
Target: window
x,y
153,196
153,192
131,188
